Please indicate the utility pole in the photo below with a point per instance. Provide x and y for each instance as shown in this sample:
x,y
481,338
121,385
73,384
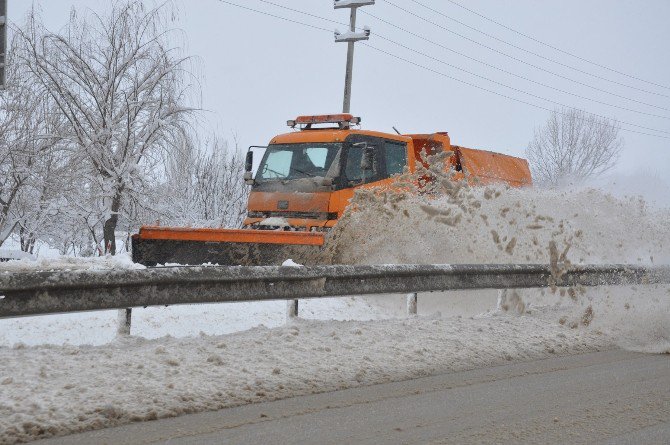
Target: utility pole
x,y
351,37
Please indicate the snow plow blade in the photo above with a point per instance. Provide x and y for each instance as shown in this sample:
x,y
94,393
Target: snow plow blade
x,y
230,247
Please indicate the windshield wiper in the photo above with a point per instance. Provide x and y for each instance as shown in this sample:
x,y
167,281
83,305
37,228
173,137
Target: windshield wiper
x,y
282,178
279,175
312,175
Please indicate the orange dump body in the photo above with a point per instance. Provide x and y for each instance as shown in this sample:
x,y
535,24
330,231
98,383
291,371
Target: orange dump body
x,y
485,167
296,213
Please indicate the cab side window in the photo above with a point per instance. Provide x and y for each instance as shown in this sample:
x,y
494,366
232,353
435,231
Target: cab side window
x,y
353,173
353,170
396,157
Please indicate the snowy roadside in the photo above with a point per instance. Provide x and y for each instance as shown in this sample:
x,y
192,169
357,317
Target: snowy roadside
x,y
99,327
55,390
121,261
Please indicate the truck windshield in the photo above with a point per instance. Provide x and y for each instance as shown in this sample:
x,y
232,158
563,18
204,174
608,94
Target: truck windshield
x,y
298,161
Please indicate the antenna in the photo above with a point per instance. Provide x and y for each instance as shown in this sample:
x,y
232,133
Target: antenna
x,y
350,37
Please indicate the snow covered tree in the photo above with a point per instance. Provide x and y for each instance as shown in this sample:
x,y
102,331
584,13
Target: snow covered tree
x,y
205,184
29,124
574,145
120,84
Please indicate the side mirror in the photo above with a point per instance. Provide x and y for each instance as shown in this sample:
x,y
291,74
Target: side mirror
x,y
249,162
368,158
248,178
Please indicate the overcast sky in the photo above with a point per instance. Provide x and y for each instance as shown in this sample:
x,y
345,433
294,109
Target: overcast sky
x,y
259,71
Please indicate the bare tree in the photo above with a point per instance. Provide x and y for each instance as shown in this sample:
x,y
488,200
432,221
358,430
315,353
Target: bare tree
x,y
120,85
28,149
96,139
205,184
574,145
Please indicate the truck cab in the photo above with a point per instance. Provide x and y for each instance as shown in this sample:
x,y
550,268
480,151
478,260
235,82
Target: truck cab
x,y
306,178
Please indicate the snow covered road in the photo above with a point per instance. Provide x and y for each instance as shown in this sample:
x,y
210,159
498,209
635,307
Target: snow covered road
x,y
57,390
605,397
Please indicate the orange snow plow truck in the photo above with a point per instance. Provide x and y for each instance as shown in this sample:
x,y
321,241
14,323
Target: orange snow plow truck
x,y
303,184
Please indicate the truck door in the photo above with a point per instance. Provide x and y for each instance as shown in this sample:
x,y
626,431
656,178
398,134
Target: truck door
x,y
389,158
353,174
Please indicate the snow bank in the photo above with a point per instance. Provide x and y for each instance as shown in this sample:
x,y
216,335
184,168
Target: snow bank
x,y
49,390
290,263
6,255
500,225
504,225
121,261
99,328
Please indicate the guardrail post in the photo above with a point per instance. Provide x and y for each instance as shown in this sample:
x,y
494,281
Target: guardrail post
x,y
412,303
125,316
291,309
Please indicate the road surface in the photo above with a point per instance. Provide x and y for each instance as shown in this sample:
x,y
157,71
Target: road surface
x,y
612,397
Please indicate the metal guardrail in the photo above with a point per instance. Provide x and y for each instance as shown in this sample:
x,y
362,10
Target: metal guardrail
x,y
36,293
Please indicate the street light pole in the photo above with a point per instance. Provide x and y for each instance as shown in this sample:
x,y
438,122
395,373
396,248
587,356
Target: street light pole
x,y
351,37
346,106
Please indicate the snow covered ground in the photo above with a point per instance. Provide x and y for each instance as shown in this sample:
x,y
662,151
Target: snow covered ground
x,y
189,358
98,328
67,373
54,390
121,261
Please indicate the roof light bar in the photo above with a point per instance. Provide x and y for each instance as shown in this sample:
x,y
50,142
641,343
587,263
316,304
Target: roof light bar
x,y
343,120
